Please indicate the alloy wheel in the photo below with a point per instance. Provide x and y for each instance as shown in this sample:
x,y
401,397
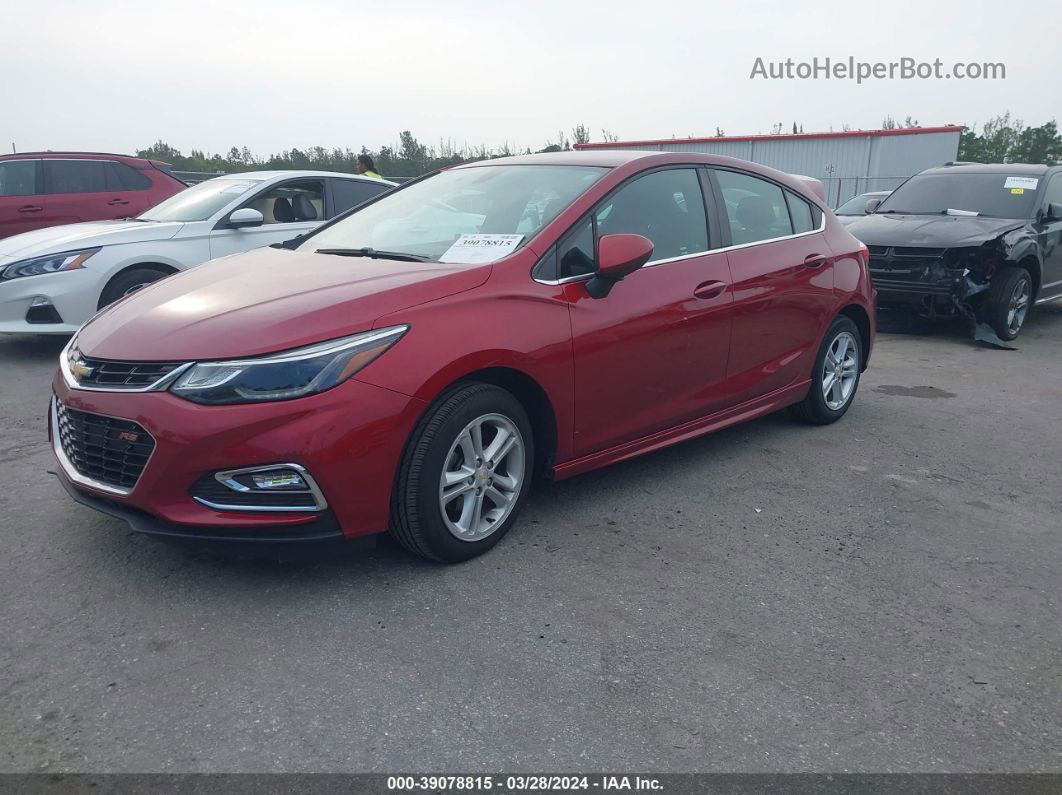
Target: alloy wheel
x,y
840,370
1018,306
482,477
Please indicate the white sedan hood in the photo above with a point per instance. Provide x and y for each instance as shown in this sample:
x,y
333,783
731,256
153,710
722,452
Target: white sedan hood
x,y
86,235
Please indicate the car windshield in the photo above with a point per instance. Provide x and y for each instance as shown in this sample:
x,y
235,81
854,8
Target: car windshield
x,y
997,195
855,206
201,201
426,219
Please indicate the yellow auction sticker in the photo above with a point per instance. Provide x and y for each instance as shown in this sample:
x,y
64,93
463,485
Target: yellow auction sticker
x,y
1017,190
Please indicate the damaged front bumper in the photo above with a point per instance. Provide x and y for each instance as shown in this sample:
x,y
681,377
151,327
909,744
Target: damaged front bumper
x,y
933,280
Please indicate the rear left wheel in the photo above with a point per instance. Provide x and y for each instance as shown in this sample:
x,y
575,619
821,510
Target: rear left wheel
x,y
835,377
465,474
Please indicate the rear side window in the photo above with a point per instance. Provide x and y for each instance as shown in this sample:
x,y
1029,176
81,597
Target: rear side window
x,y
74,176
18,178
123,177
800,213
665,206
755,208
347,193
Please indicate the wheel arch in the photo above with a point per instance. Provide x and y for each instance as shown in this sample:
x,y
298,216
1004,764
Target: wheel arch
x,y
169,270
858,315
1032,264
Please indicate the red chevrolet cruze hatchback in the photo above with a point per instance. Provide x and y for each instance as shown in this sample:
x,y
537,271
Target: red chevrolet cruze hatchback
x,y
412,365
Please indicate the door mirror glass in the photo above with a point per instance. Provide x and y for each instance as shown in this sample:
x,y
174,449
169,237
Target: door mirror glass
x,y
244,217
872,205
618,256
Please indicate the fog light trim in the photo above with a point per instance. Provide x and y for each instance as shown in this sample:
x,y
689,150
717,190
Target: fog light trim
x,y
228,478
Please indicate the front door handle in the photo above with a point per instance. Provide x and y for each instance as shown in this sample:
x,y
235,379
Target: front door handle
x,y
814,261
30,208
709,289
114,202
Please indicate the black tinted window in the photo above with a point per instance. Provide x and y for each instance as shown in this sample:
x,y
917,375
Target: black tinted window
x,y
799,213
347,193
1054,190
123,177
75,176
575,256
666,206
755,208
18,178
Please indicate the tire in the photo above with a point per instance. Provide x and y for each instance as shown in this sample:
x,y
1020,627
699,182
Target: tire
x,y
127,282
444,442
1007,302
816,408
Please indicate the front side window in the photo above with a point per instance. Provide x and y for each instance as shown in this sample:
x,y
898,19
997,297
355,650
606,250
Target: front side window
x,y
18,178
665,206
428,217
292,202
201,201
997,195
75,176
1053,194
755,208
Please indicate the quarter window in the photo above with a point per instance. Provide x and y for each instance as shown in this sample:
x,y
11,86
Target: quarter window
x,y
799,213
18,178
665,206
575,257
75,176
755,208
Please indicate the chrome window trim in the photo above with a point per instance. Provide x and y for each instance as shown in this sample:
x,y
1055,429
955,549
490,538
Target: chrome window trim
x,y
225,478
68,467
665,261
156,386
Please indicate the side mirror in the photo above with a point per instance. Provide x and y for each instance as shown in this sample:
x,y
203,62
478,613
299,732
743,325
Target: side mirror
x,y
245,216
618,256
1054,211
872,205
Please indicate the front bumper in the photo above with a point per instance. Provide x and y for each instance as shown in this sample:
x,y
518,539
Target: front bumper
x,y
74,294
349,438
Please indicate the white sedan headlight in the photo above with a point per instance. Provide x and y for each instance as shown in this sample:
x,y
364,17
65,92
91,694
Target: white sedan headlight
x,y
49,263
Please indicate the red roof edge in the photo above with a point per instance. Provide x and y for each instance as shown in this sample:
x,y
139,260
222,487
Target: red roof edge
x,y
724,139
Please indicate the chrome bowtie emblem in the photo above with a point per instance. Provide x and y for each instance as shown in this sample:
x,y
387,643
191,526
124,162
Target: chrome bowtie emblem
x,y
80,369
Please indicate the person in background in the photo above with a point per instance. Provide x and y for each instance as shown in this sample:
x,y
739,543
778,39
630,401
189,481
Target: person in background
x,y
367,168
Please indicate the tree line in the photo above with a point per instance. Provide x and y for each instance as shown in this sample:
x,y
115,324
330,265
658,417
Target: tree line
x,y
1002,139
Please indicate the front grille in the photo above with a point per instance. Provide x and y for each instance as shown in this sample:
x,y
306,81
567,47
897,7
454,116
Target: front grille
x,y
209,489
106,449
109,374
906,263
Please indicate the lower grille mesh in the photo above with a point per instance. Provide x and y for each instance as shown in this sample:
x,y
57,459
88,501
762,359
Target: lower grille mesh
x,y
106,449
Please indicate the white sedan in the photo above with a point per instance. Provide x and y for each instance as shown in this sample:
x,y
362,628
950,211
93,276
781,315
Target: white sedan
x,y
52,280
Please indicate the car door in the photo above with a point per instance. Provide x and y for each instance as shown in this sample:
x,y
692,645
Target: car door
x,y
289,209
128,190
1049,234
782,282
653,353
77,191
22,201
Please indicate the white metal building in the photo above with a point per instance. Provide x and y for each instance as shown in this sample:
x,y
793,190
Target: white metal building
x,y
848,163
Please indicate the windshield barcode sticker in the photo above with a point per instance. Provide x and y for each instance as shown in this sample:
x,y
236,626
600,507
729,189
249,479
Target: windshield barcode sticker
x,y
1021,182
480,249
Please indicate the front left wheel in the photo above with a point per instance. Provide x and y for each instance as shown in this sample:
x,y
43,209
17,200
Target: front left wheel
x,y
128,282
465,474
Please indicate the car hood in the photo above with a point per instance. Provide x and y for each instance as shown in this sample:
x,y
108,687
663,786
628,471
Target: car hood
x,y
264,301
87,235
937,231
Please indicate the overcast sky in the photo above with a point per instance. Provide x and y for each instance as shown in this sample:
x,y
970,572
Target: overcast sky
x,y
115,76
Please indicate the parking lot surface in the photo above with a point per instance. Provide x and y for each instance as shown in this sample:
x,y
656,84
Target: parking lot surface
x,y
881,594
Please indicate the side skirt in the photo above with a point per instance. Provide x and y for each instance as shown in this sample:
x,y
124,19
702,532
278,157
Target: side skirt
x,y
766,404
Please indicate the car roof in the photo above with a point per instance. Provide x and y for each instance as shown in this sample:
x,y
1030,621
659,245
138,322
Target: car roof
x,y
990,168
61,154
609,158
281,174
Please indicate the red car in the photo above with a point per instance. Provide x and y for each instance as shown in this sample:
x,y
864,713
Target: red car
x,y
413,364
40,189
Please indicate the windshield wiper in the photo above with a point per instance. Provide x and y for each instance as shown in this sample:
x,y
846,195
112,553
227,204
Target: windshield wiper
x,y
373,253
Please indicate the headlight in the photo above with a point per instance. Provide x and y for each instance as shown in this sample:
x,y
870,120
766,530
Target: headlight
x,y
283,376
49,263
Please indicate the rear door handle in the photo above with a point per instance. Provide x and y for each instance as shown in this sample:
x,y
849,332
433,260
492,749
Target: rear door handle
x,y
814,260
709,289
30,208
118,201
